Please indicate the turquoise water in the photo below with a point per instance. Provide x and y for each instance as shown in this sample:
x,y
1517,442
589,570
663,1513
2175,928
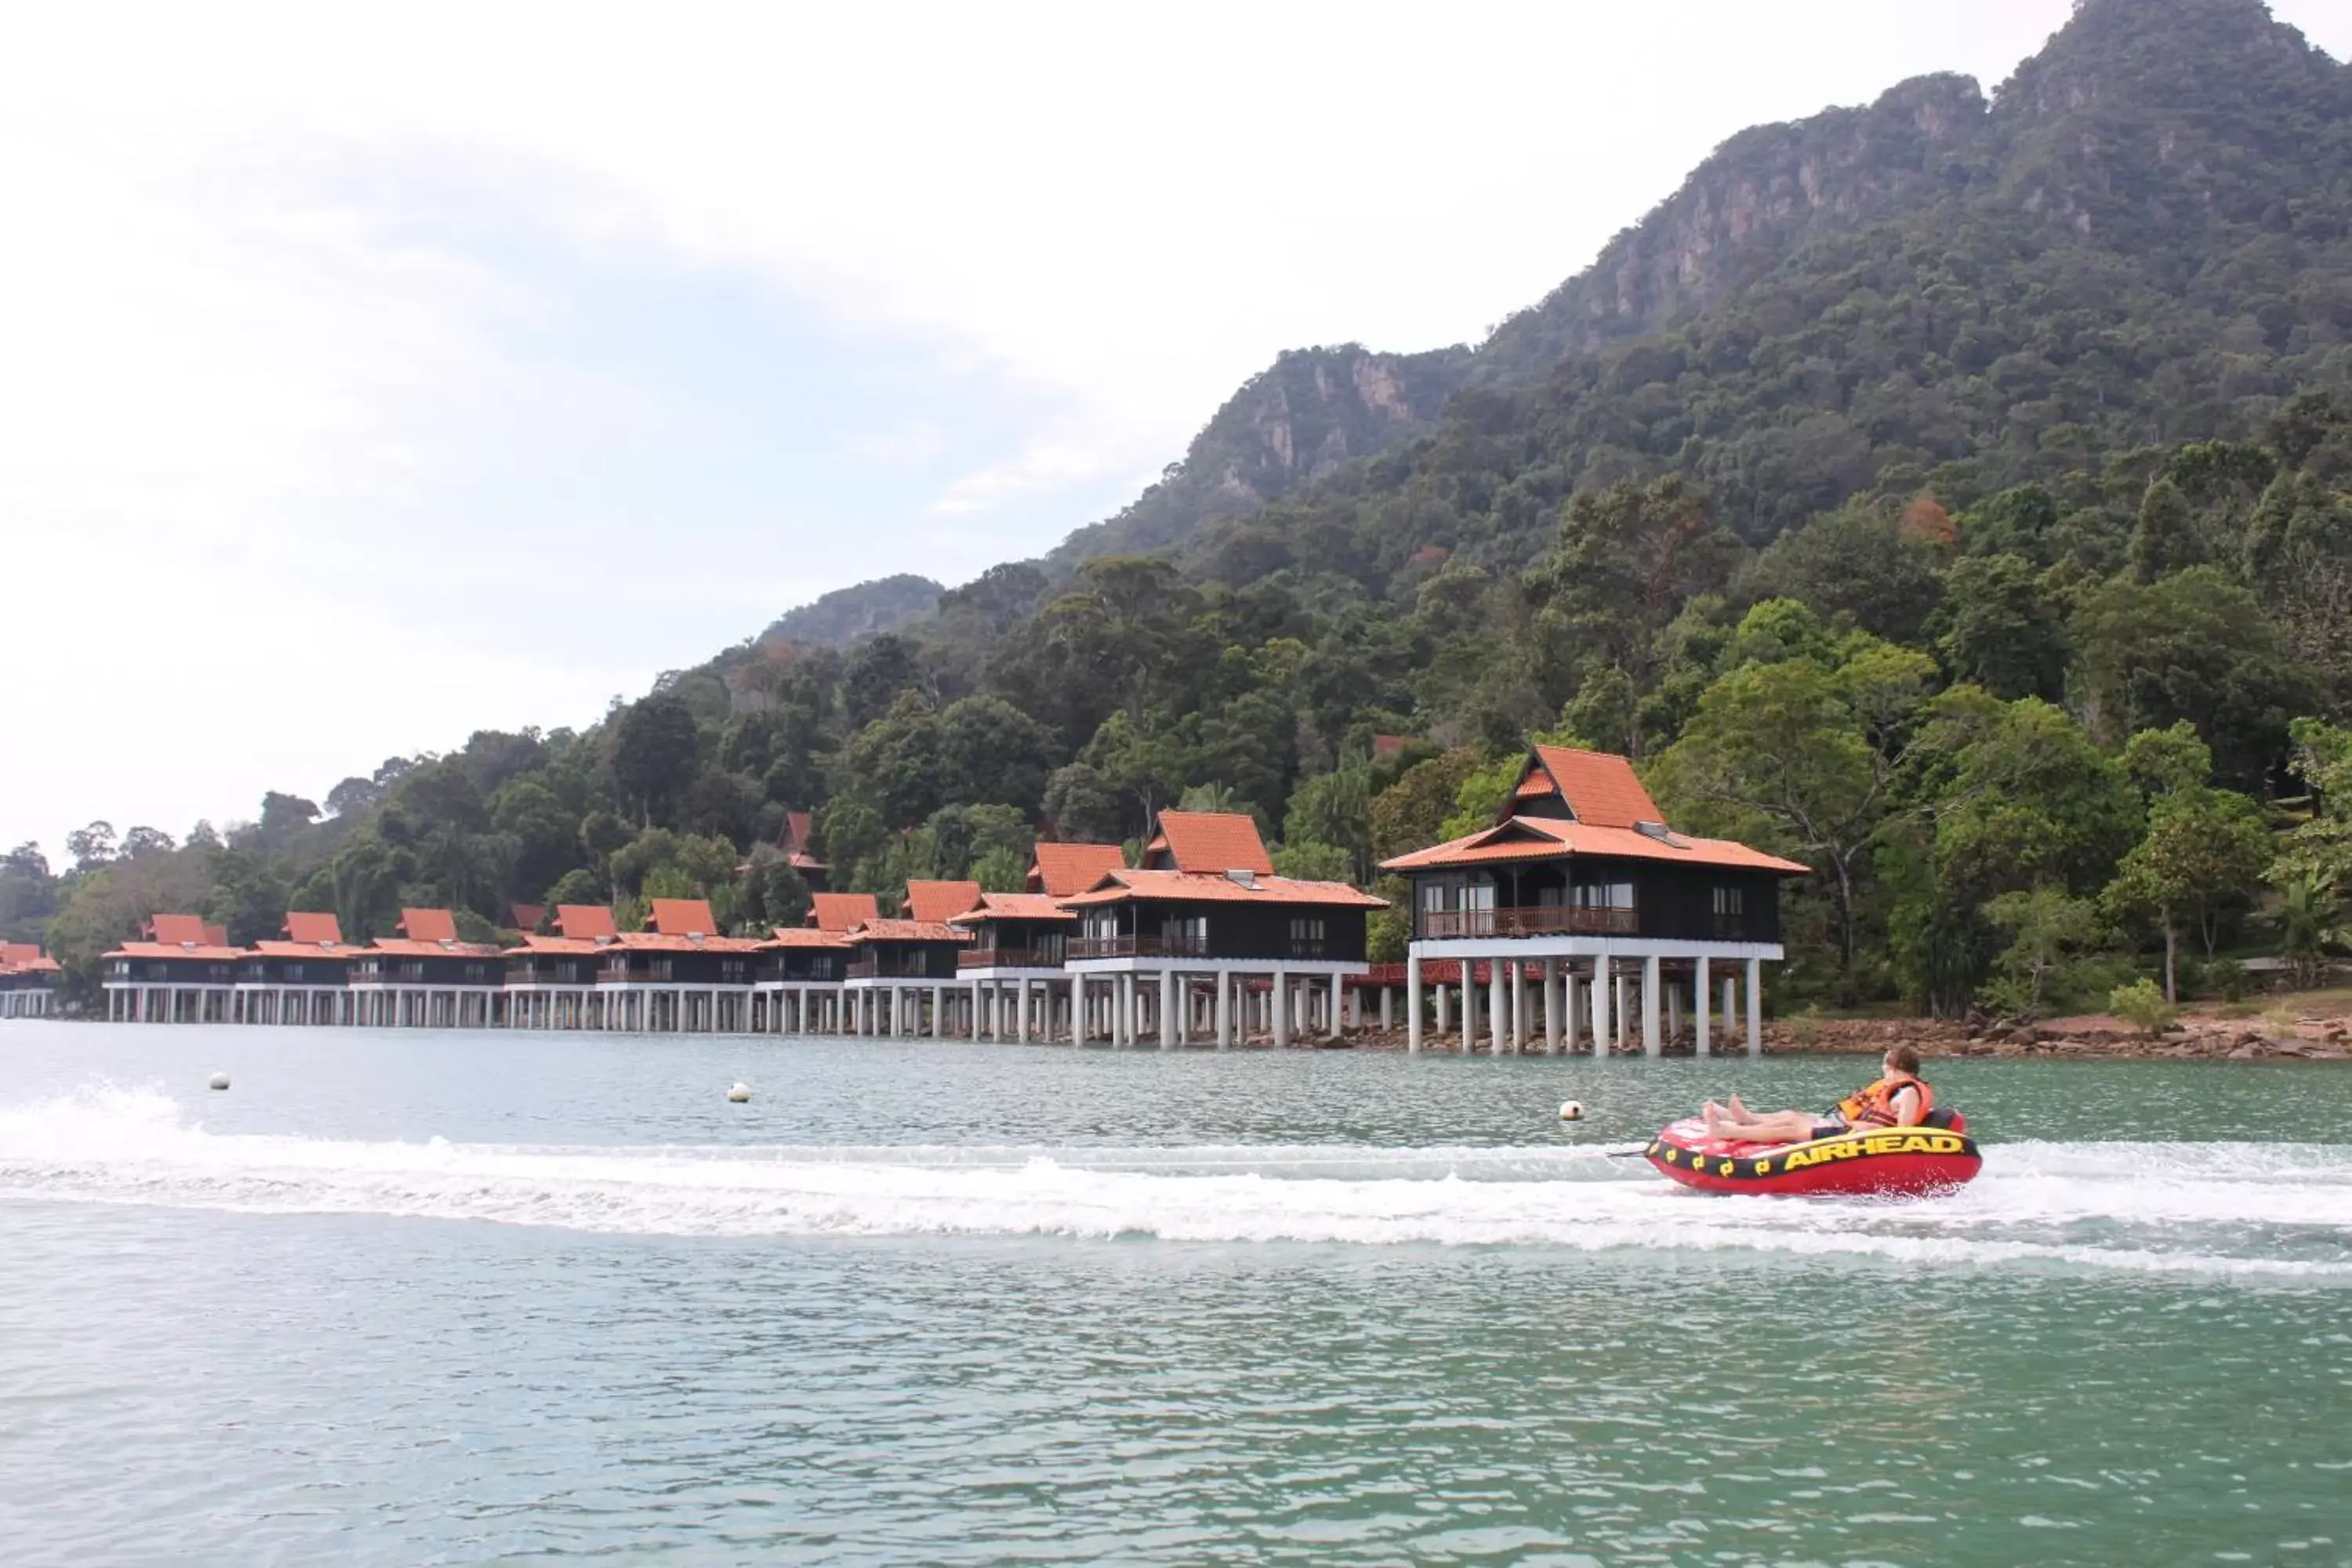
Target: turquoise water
x,y
421,1297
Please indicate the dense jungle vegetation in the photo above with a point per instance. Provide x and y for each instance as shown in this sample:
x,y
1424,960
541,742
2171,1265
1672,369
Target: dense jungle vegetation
x,y
1953,494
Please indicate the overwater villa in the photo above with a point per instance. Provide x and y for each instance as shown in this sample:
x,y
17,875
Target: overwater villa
x,y
681,976
1013,967
303,979
799,990
1585,906
29,980
552,979
1203,936
425,977
182,971
899,975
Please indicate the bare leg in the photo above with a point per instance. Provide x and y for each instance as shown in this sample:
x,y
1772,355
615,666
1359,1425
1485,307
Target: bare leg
x,y
1781,1127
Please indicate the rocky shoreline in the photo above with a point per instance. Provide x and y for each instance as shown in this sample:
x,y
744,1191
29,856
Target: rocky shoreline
x,y
2321,1034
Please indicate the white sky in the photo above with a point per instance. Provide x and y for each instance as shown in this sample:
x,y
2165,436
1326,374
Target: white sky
x,y
369,379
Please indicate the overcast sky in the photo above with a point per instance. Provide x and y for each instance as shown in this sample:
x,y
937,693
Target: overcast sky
x,y
365,382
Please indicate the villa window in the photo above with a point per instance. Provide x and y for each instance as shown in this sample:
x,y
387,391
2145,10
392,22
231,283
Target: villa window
x,y
1604,895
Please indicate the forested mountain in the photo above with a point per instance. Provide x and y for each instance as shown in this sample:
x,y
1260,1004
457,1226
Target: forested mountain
x,y
1951,493
846,615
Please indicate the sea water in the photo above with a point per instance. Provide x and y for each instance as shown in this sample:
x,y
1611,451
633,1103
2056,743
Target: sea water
x,y
459,1297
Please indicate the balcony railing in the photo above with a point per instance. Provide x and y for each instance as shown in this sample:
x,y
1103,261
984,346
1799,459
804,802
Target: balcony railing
x,y
1139,947
1546,920
1008,957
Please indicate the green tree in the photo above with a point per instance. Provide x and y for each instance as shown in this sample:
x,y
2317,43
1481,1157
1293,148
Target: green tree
x,y
1807,754
1001,870
2001,631
2167,538
249,896
545,832
1617,574
2193,645
2046,930
656,754
2310,922
1410,814
1311,862
2321,847
1334,808
2204,850
1859,566
1082,806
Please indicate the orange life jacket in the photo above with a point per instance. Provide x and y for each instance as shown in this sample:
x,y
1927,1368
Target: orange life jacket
x,y
1874,1105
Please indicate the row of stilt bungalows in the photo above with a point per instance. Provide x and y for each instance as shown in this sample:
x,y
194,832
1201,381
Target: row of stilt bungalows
x,y
1577,920
29,980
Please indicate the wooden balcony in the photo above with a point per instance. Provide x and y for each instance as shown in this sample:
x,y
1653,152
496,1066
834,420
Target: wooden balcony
x,y
1139,947
1008,957
1546,920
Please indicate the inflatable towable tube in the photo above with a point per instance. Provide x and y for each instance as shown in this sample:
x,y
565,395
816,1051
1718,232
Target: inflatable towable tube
x,y
1879,1162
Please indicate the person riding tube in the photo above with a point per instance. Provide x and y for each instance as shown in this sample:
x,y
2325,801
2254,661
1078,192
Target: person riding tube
x,y
1900,1098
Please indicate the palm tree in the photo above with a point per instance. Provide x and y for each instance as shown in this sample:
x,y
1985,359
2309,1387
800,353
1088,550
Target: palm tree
x,y
2310,922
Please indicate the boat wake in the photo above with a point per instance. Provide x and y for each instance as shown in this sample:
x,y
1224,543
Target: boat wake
x,y
2251,1210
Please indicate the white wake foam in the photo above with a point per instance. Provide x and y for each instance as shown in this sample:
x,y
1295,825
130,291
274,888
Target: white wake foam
x,y
2280,1210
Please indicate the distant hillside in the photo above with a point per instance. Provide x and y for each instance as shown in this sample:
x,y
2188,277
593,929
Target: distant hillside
x,y
1309,413
846,615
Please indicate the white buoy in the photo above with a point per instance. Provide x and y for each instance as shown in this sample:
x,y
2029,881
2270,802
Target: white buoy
x,y
220,1080
1574,1111
738,1095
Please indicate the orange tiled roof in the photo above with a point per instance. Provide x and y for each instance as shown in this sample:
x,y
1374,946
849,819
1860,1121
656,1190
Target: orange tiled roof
x,y
910,930
1014,907
682,942
175,929
585,921
938,900
809,936
304,926
216,934
1195,887
1600,788
536,945
684,917
1548,839
528,916
300,949
1062,870
211,951
27,958
1208,841
839,911
794,838
410,947
427,925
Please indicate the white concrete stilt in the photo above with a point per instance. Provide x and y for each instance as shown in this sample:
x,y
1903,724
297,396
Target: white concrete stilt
x,y
1651,1044
1754,1006
1699,1009
1602,992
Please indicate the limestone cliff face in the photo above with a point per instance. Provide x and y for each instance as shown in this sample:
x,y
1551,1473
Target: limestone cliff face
x,y
1763,195
1311,412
